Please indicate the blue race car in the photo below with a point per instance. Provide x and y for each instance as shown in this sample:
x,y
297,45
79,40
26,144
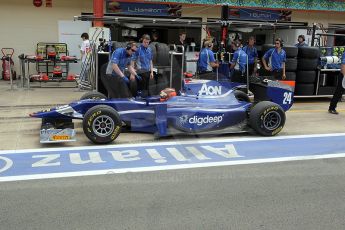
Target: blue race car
x,y
203,106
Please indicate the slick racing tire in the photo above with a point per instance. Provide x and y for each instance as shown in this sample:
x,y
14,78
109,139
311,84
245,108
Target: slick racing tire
x,y
93,95
307,64
162,58
291,64
306,76
267,118
154,52
291,51
290,76
309,52
241,96
266,47
102,124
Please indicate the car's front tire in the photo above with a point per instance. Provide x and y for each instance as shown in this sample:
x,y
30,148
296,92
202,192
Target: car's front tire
x,y
267,118
102,124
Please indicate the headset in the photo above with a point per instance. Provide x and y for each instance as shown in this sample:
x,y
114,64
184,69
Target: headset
x,y
129,45
301,36
281,41
237,43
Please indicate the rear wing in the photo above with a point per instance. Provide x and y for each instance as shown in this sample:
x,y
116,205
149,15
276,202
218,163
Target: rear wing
x,y
279,92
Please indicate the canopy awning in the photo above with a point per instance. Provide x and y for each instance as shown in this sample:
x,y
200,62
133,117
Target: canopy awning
x,y
317,5
189,22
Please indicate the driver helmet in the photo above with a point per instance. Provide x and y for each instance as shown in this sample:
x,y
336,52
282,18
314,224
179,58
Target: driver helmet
x,y
167,93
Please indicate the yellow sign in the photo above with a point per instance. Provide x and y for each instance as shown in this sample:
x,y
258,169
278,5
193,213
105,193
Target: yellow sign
x,y
60,137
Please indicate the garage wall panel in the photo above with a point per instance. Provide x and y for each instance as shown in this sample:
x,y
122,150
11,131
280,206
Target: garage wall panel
x,y
23,25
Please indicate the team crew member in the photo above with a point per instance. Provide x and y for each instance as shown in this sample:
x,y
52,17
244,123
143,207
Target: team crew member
x,y
301,41
144,66
339,90
238,63
252,53
276,60
85,51
115,80
182,39
207,62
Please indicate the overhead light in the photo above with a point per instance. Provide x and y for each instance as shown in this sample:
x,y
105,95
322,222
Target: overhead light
x,y
133,25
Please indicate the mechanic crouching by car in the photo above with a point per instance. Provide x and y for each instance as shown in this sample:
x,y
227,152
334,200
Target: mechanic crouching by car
x,y
276,60
115,80
207,62
142,59
239,63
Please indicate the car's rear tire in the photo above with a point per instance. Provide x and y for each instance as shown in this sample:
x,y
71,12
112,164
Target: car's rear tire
x,y
267,118
93,95
102,124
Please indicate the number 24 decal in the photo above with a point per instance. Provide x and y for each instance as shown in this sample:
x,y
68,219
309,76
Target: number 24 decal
x,y
287,98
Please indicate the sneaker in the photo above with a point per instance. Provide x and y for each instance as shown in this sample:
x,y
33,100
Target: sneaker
x,y
333,111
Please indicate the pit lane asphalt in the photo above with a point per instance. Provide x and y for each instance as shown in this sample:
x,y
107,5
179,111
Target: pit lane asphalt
x,y
289,195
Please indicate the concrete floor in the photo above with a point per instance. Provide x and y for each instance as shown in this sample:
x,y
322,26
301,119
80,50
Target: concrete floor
x,y
19,131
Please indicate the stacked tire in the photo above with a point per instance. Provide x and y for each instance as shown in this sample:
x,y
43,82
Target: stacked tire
x,y
291,62
161,61
308,60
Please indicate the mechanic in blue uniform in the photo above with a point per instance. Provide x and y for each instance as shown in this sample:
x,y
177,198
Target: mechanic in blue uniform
x,y
238,63
339,90
276,60
301,41
252,53
115,80
207,62
142,58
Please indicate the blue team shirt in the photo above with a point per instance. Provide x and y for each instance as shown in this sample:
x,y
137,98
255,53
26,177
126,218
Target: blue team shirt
x,y
143,58
252,53
121,58
343,59
205,57
275,59
301,45
240,60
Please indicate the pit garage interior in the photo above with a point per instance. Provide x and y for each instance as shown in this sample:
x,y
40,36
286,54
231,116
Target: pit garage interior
x,y
194,26
293,179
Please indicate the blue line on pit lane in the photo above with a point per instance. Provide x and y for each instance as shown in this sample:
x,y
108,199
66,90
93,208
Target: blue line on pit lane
x,y
150,155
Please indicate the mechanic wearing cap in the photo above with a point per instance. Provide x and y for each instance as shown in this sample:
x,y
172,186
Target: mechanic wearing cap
x,y
301,41
207,62
115,80
339,90
252,53
276,60
142,59
238,63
